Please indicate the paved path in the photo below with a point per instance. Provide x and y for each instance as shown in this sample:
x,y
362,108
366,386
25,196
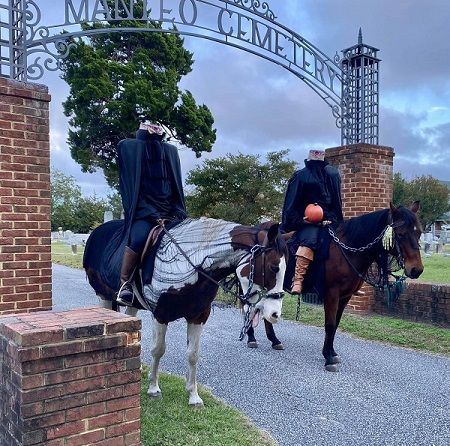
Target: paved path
x,y
382,395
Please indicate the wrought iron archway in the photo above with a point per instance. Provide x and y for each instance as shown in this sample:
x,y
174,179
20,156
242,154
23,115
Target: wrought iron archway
x,y
348,84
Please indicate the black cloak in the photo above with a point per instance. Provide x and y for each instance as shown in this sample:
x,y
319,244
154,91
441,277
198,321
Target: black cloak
x,y
317,182
132,159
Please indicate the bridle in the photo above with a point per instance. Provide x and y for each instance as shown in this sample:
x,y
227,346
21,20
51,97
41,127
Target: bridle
x,y
255,251
390,242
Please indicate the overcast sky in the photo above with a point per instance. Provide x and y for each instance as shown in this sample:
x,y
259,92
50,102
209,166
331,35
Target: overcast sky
x,y
260,107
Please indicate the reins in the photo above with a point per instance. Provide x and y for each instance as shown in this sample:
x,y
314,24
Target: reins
x,y
389,240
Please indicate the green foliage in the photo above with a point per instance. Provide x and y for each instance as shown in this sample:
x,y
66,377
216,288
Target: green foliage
x,y
240,187
115,204
65,195
70,210
118,80
433,195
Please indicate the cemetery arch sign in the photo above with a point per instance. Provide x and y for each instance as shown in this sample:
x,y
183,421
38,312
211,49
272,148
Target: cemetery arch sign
x,y
349,86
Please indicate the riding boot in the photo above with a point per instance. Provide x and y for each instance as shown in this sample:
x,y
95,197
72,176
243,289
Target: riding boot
x,y
303,258
129,264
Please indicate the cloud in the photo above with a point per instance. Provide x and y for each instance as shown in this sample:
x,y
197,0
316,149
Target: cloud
x,y
259,106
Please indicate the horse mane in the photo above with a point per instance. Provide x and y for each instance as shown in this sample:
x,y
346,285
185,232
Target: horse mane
x,y
359,231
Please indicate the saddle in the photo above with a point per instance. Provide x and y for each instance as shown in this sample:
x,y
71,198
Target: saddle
x,y
153,238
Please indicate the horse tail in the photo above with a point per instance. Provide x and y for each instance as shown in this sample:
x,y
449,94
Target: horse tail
x,y
97,251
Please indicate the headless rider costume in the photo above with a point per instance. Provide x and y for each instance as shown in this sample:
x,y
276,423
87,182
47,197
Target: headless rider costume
x,y
320,183
151,189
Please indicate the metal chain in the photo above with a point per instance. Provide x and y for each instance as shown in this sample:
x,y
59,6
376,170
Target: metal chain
x,y
362,248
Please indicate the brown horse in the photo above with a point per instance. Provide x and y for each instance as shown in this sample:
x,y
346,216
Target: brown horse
x,y
190,260
356,244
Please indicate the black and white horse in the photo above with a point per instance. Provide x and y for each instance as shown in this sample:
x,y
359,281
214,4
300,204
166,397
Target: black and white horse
x,y
190,261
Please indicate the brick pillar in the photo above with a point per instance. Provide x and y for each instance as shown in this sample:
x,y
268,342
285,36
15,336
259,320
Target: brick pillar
x,y
70,378
25,252
367,185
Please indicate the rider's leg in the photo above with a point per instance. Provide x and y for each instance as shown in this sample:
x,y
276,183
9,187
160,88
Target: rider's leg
x,y
138,236
129,263
303,257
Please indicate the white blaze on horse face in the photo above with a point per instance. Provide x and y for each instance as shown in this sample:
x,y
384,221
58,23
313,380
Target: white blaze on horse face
x,y
269,308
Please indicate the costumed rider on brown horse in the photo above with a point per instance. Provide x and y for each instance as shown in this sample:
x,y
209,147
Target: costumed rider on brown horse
x,y
317,184
152,192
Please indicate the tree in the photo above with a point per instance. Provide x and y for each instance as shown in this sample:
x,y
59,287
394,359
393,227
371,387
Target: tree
x,y
65,196
70,210
240,187
120,79
433,195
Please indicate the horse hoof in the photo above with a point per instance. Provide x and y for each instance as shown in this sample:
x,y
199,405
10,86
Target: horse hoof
x,y
336,359
196,406
278,347
331,367
155,395
252,344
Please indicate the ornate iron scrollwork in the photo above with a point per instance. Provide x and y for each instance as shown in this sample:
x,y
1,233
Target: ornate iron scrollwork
x,y
55,57
249,25
257,7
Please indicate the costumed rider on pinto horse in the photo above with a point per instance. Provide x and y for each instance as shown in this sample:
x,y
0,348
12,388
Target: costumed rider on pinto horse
x,y
152,194
313,200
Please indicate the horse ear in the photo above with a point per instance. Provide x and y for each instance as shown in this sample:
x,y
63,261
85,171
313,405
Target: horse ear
x,y
273,232
415,207
394,210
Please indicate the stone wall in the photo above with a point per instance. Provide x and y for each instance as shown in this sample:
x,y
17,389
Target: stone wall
x,y
420,302
70,379
25,257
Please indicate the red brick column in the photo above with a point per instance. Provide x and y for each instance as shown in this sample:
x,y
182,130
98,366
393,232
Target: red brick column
x,y
25,257
367,185
70,379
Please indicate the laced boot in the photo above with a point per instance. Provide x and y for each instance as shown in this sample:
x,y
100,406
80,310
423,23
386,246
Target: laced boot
x,y
129,264
303,257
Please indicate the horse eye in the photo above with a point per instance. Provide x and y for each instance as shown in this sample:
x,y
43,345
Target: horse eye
x,y
275,269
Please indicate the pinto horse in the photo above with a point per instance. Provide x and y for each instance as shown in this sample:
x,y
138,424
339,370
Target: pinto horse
x,y
189,262
356,244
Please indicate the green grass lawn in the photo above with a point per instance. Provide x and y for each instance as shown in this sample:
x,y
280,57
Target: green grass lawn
x,y
62,254
436,268
169,421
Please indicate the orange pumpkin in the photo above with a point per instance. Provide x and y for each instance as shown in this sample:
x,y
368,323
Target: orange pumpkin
x,y
314,213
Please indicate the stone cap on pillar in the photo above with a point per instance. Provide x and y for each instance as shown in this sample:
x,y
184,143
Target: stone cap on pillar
x,y
48,327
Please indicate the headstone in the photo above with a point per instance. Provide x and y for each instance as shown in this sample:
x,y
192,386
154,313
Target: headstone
x,y
108,216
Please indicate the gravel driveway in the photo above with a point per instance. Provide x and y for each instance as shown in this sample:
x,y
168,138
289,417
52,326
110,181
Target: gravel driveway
x,y
382,395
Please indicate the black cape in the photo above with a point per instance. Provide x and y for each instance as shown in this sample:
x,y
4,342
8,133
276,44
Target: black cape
x,y
115,235
317,182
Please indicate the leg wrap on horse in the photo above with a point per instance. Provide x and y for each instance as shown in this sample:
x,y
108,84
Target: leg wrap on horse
x,y
129,264
303,257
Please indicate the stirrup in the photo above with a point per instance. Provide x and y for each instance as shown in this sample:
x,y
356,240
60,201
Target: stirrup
x,y
120,299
